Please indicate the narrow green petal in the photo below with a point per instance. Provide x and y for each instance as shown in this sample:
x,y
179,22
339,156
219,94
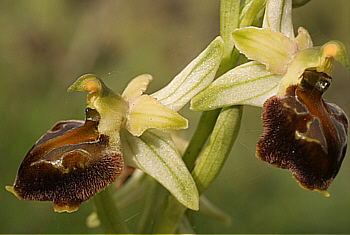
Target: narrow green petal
x,y
249,83
308,58
136,87
146,112
155,153
194,78
266,46
278,17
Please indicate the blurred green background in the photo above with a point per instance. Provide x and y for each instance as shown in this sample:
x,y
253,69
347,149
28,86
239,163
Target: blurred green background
x,y
46,45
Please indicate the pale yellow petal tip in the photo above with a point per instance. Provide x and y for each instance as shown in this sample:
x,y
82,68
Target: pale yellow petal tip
x,y
323,192
303,40
65,208
11,189
146,112
137,86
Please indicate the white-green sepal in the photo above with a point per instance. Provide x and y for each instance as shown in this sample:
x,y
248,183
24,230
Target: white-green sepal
x,y
271,48
249,84
193,79
155,153
278,17
250,11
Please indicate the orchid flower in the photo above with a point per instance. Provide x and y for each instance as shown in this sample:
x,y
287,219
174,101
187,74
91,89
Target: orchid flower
x,y
287,76
75,159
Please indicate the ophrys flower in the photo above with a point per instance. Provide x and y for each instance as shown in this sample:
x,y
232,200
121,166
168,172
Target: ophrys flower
x,y
303,132
75,159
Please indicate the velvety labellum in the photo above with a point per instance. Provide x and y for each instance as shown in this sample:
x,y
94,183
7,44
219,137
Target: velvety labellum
x,y
68,165
304,133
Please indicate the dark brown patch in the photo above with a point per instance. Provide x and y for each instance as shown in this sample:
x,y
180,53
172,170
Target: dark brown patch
x,y
304,133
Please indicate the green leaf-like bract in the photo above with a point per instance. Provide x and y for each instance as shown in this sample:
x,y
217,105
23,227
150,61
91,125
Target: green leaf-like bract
x,y
249,84
192,79
155,153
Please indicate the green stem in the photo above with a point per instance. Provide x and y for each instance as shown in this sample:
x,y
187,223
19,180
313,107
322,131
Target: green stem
x,y
185,226
171,216
218,148
130,192
107,211
204,128
229,12
151,207
213,157
229,15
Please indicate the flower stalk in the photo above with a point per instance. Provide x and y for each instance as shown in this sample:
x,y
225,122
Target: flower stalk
x,y
173,212
218,147
108,213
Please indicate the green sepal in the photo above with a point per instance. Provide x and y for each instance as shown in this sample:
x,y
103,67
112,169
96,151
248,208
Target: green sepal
x,y
155,153
250,10
278,17
249,84
192,79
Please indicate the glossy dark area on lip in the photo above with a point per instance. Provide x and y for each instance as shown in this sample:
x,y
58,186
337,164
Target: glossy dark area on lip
x,y
304,133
